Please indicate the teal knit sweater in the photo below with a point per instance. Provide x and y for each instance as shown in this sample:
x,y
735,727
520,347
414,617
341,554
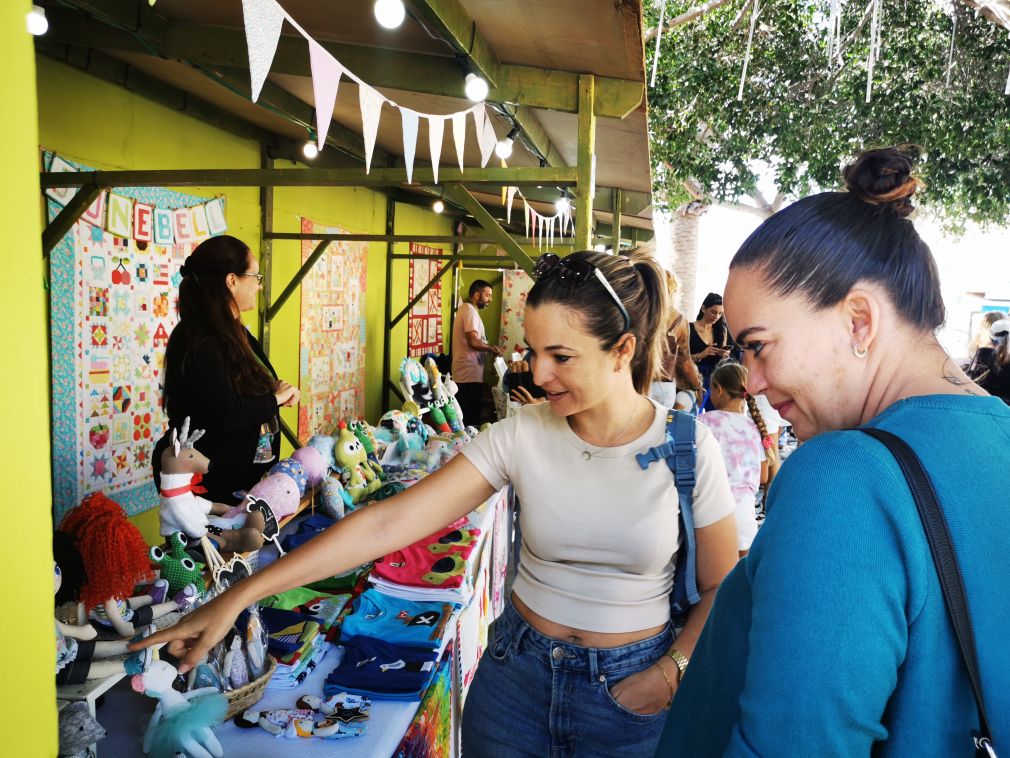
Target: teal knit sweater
x,y
831,637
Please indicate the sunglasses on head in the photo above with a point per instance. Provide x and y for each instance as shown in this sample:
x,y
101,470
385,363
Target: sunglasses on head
x,y
573,273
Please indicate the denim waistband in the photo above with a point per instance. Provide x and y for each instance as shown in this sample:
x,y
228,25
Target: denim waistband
x,y
523,638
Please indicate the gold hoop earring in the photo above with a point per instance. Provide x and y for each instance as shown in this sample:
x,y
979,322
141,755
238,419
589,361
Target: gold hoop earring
x,y
859,352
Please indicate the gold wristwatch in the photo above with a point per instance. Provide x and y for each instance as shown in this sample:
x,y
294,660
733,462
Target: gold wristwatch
x,y
680,659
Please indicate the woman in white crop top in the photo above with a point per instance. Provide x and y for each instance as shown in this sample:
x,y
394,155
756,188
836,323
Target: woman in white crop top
x,y
583,661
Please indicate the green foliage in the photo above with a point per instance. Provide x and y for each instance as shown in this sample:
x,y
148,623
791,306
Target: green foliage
x,y
802,118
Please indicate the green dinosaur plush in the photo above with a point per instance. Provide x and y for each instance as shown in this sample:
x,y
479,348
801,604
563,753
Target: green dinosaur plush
x,y
358,478
177,566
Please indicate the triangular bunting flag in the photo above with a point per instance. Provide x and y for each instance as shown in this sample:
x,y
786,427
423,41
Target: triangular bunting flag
x,y
550,231
526,213
326,72
371,106
459,134
436,127
410,119
508,205
263,20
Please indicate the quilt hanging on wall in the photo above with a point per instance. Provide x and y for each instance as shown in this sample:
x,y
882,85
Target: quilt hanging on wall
x,y
515,287
113,291
331,366
424,323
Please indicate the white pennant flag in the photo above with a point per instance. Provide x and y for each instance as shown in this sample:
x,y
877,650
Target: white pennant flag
x,y
263,20
533,224
526,213
410,119
371,106
436,126
326,73
459,135
510,196
484,128
550,230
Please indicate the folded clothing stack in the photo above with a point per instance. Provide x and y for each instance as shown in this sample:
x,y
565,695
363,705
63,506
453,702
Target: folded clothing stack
x,y
397,620
382,670
438,561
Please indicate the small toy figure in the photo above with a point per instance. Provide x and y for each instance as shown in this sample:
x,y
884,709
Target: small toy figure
x,y
182,508
363,432
115,559
78,730
177,567
358,478
444,392
181,724
414,383
301,721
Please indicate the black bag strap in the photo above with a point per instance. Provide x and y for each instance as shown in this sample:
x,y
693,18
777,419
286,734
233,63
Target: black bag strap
x,y
945,559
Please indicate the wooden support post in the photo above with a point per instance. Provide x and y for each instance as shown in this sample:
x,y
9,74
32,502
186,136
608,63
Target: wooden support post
x,y
67,217
417,298
586,188
615,241
292,437
459,193
266,251
387,337
293,285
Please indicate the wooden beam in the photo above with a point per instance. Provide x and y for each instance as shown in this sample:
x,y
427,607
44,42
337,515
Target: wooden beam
x,y
310,177
586,190
387,332
380,67
424,291
458,193
446,238
66,218
297,279
266,251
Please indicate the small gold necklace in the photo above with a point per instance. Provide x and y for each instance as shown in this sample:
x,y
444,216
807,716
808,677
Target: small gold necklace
x,y
588,454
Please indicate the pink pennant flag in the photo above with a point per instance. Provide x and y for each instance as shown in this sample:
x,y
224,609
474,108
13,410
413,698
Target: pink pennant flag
x,y
436,127
263,21
410,119
508,204
459,134
371,106
326,73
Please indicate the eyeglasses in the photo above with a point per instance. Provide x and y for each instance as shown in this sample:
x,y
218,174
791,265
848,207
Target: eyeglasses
x,y
259,277
575,273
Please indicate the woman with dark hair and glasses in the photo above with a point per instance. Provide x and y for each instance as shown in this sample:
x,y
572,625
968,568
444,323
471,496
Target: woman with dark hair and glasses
x,y
217,374
831,638
583,661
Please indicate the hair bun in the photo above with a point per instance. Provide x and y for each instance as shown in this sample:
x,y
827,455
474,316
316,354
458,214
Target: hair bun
x,y
884,177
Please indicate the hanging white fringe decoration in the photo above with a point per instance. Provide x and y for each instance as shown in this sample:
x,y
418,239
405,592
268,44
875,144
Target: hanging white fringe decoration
x,y
871,59
750,42
950,52
834,31
659,37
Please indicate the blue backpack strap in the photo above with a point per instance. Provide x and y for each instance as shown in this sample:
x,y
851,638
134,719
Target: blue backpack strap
x,y
680,454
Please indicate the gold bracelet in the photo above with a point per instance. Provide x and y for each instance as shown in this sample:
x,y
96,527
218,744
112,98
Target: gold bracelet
x,y
669,684
680,660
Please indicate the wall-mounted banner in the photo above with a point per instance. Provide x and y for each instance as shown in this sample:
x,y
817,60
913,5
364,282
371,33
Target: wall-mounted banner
x,y
118,214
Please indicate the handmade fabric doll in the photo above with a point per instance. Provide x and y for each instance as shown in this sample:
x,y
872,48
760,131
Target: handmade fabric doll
x,y
363,432
444,395
177,567
314,464
79,657
414,383
357,477
181,723
183,510
78,730
115,559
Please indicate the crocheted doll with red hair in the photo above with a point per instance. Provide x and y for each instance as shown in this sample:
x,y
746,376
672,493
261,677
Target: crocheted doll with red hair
x,y
115,559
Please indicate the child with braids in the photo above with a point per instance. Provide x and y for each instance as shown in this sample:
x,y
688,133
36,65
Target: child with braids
x,y
737,425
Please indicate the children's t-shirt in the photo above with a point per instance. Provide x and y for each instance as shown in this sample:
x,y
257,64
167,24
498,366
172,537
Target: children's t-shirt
x,y
438,560
743,453
382,670
396,620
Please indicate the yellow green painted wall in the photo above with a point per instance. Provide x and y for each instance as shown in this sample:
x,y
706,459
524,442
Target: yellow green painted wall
x,y
28,700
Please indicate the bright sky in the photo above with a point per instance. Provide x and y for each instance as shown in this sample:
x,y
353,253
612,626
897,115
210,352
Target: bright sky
x,y
974,269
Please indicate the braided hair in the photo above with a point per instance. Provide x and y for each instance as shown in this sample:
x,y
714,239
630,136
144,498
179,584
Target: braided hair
x,y
732,377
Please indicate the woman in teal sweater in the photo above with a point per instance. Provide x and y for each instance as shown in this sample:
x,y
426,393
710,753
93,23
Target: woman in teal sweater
x,y
831,638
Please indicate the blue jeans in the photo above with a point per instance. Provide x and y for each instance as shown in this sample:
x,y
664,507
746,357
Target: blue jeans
x,y
539,697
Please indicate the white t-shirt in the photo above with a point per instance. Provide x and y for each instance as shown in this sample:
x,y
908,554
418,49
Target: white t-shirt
x,y
599,535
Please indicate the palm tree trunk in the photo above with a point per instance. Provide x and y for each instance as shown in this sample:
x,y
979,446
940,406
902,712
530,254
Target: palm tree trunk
x,y
685,254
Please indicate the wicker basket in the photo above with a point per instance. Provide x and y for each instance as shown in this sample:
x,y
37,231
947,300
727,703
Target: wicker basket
x,y
245,697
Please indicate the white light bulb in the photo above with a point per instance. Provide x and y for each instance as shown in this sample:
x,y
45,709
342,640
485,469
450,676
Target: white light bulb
x,y
36,20
389,13
310,150
504,148
438,206
599,248
475,87
562,205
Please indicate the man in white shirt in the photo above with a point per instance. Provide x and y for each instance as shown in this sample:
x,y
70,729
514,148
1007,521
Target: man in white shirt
x,y
469,344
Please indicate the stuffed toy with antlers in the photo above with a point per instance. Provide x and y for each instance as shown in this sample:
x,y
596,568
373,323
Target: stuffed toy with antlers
x,y
182,507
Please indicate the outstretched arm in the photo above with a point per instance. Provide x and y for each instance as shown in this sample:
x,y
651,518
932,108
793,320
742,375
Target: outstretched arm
x,y
364,535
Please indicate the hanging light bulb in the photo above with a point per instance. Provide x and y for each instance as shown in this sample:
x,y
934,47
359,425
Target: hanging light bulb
x,y
389,13
36,21
504,147
438,206
309,150
475,87
562,205
599,247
